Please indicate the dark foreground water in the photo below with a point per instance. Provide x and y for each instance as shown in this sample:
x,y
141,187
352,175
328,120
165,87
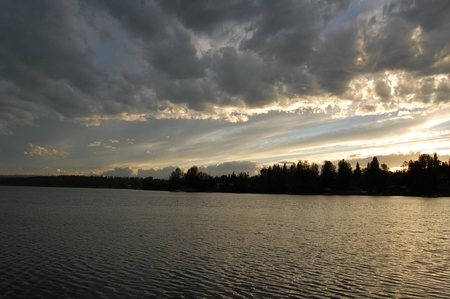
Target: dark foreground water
x,y
90,243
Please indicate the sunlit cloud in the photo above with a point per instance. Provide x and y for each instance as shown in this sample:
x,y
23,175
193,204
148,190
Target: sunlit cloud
x,y
95,143
36,150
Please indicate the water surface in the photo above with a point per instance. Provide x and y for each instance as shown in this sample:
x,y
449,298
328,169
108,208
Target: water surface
x,y
80,243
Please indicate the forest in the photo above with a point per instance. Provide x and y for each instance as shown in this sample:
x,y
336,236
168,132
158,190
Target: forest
x,y
426,176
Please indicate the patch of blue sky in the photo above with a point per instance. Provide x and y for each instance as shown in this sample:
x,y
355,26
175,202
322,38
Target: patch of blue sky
x,y
109,53
336,125
301,154
356,7
442,126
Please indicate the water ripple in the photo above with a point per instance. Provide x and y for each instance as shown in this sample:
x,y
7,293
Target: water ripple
x,y
114,244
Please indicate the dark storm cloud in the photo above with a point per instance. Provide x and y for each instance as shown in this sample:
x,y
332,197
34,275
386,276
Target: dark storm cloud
x,y
39,44
383,91
167,45
334,62
207,16
94,60
243,76
431,15
286,30
40,53
394,48
194,92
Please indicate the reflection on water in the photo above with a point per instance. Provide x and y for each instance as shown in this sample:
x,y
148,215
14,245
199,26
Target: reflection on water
x,y
123,243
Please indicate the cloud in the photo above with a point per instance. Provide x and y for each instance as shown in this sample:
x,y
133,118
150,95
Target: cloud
x,y
119,172
91,61
226,80
163,173
95,143
394,161
383,90
36,150
206,17
107,145
250,167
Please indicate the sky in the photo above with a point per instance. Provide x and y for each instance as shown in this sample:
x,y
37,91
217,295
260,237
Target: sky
x,y
137,88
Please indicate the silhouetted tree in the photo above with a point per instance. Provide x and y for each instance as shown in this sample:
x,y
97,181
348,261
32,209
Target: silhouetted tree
x,y
176,179
308,180
191,178
357,174
426,175
344,174
327,175
154,184
241,182
373,176
302,177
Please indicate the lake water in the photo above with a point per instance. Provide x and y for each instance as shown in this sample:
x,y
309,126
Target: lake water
x,y
95,243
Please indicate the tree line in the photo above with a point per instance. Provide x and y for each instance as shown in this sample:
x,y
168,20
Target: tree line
x,y
75,181
425,176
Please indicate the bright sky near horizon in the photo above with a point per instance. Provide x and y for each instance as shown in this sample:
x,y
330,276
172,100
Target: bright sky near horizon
x,y
137,88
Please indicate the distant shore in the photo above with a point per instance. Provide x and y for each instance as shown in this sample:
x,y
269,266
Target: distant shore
x,y
136,183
